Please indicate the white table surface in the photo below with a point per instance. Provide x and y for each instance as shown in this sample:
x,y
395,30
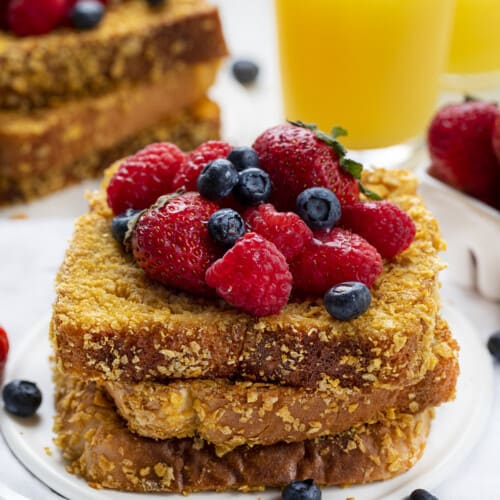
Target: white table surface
x,y
32,248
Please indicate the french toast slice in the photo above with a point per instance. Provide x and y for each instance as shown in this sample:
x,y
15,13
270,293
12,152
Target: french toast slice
x,y
134,43
42,150
229,415
99,447
112,323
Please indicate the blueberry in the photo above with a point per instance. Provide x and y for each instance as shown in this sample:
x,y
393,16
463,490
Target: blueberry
x,y
245,71
243,157
217,179
254,186
494,345
301,490
347,300
226,226
21,398
422,495
318,207
119,224
87,14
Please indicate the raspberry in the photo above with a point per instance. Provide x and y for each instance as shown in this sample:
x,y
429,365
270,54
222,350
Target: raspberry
x,y
196,160
143,177
285,229
296,159
171,243
35,17
332,258
4,348
253,276
381,223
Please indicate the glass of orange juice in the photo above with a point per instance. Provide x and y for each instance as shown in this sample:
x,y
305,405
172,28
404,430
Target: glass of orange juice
x,y
370,66
474,57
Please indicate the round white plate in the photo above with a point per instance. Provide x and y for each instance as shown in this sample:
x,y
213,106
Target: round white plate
x,y
457,427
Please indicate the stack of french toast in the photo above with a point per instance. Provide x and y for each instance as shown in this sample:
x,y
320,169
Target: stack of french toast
x,y
160,390
72,100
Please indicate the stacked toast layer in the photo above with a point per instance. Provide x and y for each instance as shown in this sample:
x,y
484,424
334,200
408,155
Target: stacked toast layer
x,y
162,391
70,100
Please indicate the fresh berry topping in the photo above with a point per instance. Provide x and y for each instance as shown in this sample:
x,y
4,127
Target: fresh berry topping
x,y
120,224
143,177
301,490
86,14
253,276
318,207
196,160
422,495
253,187
217,179
334,257
171,243
494,345
226,226
4,348
461,149
285,229
243,157
21,398
381,223
245,71
35,17
347,300
295,159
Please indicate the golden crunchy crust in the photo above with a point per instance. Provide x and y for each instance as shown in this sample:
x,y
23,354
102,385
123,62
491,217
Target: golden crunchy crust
x,y
110,322
187,127
43,145
247,413
101,449
134,43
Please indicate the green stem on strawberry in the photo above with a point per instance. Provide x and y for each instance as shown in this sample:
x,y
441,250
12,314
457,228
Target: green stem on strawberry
x,y
350,166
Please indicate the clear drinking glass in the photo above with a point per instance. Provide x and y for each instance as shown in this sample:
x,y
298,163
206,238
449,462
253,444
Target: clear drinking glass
x,y
370,66
474,59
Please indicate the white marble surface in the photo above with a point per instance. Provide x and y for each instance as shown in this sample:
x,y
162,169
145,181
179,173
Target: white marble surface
x,y
32,248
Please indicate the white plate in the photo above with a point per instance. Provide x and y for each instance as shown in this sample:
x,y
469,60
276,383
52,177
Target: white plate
x,y
472,232
456,429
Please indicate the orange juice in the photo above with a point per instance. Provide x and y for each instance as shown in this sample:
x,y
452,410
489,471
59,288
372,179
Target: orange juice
x,y
475,46
371,66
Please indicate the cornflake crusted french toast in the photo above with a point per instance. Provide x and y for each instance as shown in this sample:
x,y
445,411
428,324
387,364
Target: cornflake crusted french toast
x,y
193,351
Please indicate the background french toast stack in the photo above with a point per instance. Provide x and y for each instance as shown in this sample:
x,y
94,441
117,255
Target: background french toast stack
x,y
73,100
160,390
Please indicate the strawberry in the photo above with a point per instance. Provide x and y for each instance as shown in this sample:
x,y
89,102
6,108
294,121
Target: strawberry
x,y
333,257
460,145
253,276
144,176
297,157
196,160
4,4
382,224
35,17
171,243
4,349
285,229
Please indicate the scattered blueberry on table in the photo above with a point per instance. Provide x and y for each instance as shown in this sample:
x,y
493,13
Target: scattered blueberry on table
x,y
21,398
301,490
245,71
421,494
494,345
